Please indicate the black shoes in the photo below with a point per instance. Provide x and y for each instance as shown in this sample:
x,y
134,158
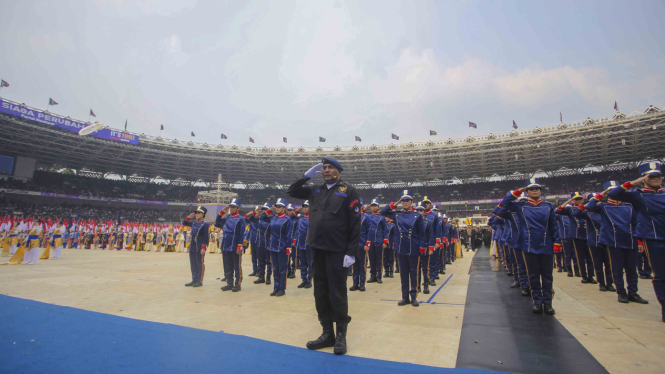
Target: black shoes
x,y
611,288
549,310
253,274
537,309
340,340
379,280
425,290
197,284
591,280
510,273
646,276
223,279
260,280
637,299
291,276
354,288
414,302
308,285
526,292
577,274
280,293
623,298
515,285
432,283
570,274
560,270
362,289
268,280
228,287
302,285
602,288
189,284
327,338
235,289
371,280
273,293
585,280
404,302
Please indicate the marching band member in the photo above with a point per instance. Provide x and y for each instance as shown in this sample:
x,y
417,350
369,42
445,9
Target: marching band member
x,y
279,240
389,254
262,217
435,239
303,251
233,225
649,204
292,260
254,244
375,241
599,254
199,243
578,235
425,258
539,239
410,244
360,265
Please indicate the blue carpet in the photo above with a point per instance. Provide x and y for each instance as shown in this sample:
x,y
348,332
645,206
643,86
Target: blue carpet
x,y
43,338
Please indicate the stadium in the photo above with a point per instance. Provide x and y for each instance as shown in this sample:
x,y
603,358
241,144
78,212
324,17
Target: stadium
x,y
471,251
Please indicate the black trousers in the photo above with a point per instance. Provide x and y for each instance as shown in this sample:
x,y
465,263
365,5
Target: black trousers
x,y
232,267
196,263
388,260
330,297
539,269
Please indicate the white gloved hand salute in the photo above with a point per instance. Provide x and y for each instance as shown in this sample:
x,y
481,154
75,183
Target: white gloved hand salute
x,y
349,260
316,169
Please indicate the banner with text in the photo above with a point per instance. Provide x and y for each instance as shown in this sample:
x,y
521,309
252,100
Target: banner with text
x,y
22,111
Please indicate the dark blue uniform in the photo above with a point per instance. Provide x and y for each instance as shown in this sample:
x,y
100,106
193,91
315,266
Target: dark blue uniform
x,y
233,228
577,234
599,254
200,242
304,252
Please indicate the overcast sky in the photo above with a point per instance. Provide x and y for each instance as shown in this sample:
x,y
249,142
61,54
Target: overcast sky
x,y
304,69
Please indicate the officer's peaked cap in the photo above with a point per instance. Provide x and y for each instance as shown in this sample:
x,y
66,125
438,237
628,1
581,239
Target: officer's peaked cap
x,y
333,162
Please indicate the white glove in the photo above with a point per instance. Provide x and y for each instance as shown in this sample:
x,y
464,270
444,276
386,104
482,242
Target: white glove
x,y
349,260
316,169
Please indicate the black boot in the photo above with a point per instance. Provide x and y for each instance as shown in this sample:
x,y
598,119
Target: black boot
x,y
189,284
602,287
623,298
268,280
253,274
415,302
549,310
371,280
228,287
340,340
403,302
585,280
537,308
515,285
569,268
637,299
432,283
327,338
426,288
260,280
577,273
611,288
526,292
354,288
592,280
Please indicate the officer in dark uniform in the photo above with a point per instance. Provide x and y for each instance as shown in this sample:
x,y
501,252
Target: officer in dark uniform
x,y
334,236
233,228
198,245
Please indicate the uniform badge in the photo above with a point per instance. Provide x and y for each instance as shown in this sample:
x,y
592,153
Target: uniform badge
x,y
342,189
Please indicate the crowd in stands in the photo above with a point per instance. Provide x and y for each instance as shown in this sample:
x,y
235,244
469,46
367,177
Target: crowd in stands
x,y
64,211
87,186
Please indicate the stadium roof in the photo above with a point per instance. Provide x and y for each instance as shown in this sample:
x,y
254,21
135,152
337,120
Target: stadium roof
x,y
619,138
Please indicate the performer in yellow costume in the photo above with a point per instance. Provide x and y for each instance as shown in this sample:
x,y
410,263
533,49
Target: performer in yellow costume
x,y
56,242
140,240
148,239
181,241
170,240
212,247
31,256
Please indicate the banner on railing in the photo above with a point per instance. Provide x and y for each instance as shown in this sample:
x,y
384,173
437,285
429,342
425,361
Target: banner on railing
x,y
32,114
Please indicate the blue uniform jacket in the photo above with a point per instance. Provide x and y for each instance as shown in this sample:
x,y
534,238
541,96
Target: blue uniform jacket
x,y
279,233
262,222
374,226
593,222
200,237
649,207
410,234
301,232
513,226
617,222
253,231
233,227
390,234
447,233
563,222
537,224
576,227
435,222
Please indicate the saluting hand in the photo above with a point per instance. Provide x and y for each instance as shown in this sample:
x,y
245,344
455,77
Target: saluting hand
x,y
639,180
191,215
522,189
604,193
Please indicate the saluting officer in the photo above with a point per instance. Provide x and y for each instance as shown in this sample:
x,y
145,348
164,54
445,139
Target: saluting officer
x,y
334,236
426,257
539,239
435,240
578,235
616,232
233,226
649,204
199,244
389,252
410,245
254,243
262,217
293,257
599,254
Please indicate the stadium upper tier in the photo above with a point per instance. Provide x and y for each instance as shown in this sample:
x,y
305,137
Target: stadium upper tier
x,y
603,141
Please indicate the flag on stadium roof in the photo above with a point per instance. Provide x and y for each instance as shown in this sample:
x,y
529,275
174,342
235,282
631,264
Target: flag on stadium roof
x,y
125,125
471,124
284,140
251,140
616,107
92,113
3,83
432,132
193,133
358,139
224,136
514,125
322,140
161,127
560,117
395,136
52,102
